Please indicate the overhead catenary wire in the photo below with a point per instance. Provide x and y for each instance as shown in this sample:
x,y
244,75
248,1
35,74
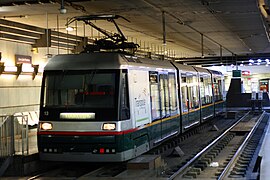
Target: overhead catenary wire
x,y
181,22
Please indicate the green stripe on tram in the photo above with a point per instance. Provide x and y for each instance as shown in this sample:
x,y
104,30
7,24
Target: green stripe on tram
x,y
142,119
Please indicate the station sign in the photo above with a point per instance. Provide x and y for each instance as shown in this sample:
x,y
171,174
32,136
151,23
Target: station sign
x,y
22,59
236,73
245,73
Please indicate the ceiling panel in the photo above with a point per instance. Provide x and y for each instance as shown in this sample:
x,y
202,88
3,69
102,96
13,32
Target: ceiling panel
x,y
236,26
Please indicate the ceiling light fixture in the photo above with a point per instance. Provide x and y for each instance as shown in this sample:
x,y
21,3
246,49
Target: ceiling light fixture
x,y
251,61
62,9
69,28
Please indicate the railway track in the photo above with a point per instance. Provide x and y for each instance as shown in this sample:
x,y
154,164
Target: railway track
x,y
65,171
204,134
231,155
191,143
103,170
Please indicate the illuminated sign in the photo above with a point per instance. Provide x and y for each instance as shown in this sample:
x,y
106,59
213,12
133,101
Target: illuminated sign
x,y
236,73
77,115
21,59
246,73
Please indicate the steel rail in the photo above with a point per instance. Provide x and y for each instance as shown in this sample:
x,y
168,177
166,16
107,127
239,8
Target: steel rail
x,y
240,149
205,149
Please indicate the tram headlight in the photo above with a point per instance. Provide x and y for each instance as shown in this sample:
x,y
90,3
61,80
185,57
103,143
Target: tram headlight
x,y
109,126
46,126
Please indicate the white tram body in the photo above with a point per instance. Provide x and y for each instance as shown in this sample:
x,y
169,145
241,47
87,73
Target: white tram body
x,y
111,107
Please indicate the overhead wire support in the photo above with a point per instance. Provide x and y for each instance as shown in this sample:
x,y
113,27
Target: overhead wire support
x,y
117,40
164,27
88,18
202,45
182,23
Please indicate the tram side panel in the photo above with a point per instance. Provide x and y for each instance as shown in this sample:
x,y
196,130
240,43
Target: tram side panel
x,y
140,110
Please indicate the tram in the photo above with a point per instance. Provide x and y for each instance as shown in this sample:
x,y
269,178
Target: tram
x,y
112,106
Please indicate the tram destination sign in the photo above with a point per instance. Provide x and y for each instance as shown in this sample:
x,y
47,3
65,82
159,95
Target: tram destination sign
x,y
67,115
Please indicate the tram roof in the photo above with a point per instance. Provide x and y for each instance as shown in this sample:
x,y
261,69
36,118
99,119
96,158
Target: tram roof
x,y
101,60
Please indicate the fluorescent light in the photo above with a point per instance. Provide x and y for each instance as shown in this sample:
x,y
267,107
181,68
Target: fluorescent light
x,y
10,69
69,28
251,61
27,68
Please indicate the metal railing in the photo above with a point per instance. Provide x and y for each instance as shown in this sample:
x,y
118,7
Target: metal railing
x,y
6,142
21,140
14,139
6,136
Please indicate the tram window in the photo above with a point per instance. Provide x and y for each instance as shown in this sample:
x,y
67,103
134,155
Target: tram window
x,y
65,89
164,94
172,90
125,112
217,89
154,94
88,89
184,79
153,78
193,95
202,91
206,90
184,93
201,79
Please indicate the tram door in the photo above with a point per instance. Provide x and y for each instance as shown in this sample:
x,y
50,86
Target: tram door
x,y
184,100
193,97
164,104
190,100
156,130
140,99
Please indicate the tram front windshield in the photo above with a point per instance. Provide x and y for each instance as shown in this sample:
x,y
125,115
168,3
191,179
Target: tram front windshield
x,y
90,89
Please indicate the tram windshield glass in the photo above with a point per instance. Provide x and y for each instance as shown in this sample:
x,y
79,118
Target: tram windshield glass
x,y
91,89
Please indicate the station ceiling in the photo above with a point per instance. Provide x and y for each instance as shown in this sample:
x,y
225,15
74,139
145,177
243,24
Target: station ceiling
x,y
200,30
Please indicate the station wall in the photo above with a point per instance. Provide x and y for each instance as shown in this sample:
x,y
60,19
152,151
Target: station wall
x,y
23,93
